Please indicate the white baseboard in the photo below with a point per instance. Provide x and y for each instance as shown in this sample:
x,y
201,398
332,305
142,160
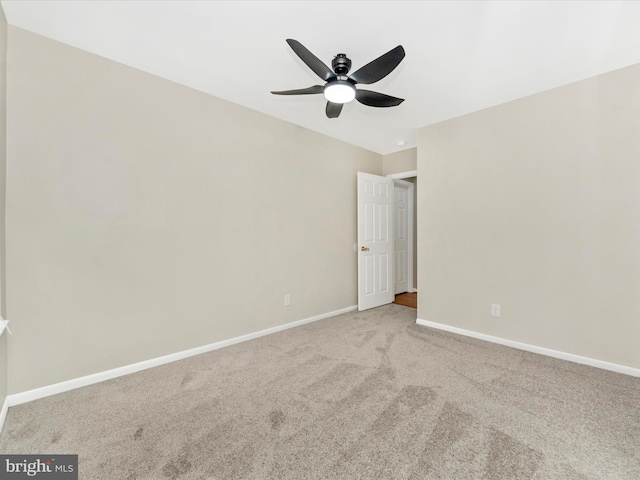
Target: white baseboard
x,y
614,367
30,395
3,412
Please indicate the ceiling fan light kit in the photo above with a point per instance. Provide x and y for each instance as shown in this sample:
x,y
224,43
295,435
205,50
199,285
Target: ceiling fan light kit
x,y
341,88
339,91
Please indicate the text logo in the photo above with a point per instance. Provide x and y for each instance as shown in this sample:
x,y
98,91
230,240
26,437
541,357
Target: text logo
x,y
49,467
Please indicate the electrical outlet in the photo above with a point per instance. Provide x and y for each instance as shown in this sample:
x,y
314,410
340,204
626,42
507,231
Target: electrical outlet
x,y
287,300
495,310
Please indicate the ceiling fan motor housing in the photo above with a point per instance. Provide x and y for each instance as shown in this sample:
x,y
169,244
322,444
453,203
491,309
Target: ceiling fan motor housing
x,y
341,64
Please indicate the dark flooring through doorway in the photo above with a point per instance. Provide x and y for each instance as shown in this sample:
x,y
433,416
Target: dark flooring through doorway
x,y
407,299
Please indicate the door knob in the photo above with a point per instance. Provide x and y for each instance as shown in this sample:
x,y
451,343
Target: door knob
x,y
364,249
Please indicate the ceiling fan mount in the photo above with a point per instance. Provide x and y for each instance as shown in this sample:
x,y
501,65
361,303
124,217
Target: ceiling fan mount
x,y
340,88
341,64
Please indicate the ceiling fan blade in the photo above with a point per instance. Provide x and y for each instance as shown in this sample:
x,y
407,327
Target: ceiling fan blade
x,y
333,109
301,91
380,67
375,99
311,60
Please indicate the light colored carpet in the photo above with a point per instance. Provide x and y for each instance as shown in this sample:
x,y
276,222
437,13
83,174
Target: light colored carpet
x,y
366,395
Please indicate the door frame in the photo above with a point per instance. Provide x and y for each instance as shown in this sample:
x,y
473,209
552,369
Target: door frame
x,y
414,204
402,175
409,259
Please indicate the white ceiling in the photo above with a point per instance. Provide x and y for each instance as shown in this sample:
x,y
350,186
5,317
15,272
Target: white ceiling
x,y
460,56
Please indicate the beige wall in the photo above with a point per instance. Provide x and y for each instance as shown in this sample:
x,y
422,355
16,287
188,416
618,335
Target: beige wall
x,y
145,218
400,162
535,205
3,165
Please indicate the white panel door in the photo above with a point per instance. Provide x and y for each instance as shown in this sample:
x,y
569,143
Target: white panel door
x,y
375,241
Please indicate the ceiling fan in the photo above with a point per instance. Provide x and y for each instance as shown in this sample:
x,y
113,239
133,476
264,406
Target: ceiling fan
x,y
340,88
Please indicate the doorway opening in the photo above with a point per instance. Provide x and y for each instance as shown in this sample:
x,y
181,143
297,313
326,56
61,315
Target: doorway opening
x,y
403,236
407,296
